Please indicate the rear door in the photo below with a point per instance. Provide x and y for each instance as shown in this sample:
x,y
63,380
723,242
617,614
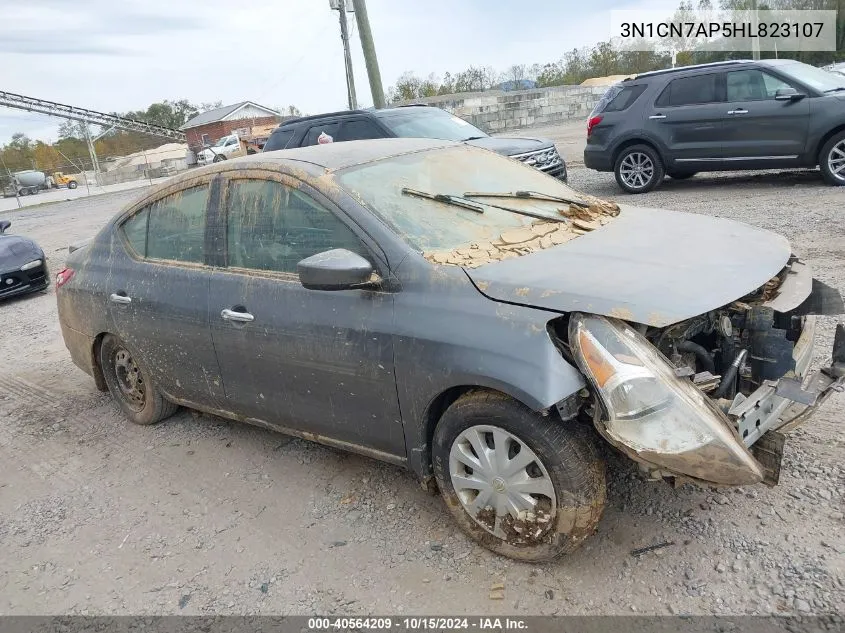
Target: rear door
x,y
158,291
687,116
758,128
316,361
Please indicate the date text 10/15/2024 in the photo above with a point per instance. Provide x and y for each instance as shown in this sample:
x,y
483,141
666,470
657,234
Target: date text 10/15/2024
x,y
416,623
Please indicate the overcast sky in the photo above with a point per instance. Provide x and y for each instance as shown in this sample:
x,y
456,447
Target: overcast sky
x,y
120,55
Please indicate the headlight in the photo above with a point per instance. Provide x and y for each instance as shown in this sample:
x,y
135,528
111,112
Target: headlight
x,y
30,265
663,419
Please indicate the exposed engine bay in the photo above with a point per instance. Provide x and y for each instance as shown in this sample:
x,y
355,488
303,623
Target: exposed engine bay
x,y
714,404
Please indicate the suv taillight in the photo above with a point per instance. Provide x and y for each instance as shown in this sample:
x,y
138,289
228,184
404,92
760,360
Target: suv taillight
x,y
63,276
593,122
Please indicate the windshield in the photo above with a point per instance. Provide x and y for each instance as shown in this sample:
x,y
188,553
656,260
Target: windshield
x,y
818,78
430,225
430,123
221,142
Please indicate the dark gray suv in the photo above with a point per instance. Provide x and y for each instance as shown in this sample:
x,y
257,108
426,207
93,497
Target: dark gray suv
x,y
714,117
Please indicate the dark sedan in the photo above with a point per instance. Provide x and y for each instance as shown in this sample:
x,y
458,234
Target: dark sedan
x,y
444,308
23,267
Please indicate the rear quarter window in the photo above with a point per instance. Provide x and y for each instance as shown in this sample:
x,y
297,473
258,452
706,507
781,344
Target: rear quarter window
x,y
624,98
278,140
693,90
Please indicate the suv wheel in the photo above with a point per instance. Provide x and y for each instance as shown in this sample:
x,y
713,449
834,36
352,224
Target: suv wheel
x,y
832,160
638,169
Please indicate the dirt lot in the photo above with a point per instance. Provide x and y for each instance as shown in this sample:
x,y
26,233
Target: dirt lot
x,y
198,515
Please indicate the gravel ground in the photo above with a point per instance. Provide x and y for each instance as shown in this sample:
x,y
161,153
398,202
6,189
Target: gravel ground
x,y
199,516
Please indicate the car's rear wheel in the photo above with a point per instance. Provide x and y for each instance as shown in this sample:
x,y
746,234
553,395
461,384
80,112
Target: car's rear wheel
x,y
71,184
832,160
130,384
218,158
526,486
638,169
681,175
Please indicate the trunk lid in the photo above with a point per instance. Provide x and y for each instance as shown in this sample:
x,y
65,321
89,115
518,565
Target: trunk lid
x,y
647,266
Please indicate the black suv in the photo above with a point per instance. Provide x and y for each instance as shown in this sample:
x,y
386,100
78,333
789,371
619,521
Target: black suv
x,y
414,121
722,116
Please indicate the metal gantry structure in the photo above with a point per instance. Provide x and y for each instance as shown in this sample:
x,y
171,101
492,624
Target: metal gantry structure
x,y
86,116
51,108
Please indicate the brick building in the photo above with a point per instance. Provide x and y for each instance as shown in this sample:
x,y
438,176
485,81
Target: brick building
x,y
206,128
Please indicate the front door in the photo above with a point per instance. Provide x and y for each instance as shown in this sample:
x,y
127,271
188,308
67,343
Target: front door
x,y
759,128
158,294
687,118
315,361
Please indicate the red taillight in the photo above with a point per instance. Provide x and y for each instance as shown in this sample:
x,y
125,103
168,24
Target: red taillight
x,y
593,122
63,276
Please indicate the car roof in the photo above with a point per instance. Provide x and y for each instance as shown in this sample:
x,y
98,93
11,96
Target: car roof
x,y
694,67
346,113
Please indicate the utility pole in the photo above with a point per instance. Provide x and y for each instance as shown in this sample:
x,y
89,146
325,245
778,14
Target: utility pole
x,y
755,42
347,55
369,52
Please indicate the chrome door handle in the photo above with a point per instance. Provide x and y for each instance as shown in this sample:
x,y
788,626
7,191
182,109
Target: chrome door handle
x,y
240,317
738,111
657,116
116,298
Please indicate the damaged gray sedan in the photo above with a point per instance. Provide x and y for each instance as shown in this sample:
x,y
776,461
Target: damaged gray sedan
x,y
458,313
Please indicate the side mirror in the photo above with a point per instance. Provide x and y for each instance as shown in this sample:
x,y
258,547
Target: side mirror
x,y
4,226
788,94
337,269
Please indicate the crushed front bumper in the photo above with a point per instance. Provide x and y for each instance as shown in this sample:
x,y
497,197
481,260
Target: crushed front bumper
x,y
778,406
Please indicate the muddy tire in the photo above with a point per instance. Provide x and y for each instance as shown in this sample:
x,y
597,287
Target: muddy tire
x,y
218,158
130,384
528,461
72,184
638,169
832,160
681,175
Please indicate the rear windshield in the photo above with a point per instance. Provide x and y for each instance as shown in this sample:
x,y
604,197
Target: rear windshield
x,y
278,140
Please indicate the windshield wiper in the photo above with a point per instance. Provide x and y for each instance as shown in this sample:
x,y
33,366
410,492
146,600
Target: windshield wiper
x,y
439,197
471,138
472,205
837,89
533,195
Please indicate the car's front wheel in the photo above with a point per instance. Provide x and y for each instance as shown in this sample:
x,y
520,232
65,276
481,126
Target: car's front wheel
x,y
524,485
638,169
832,160
130,384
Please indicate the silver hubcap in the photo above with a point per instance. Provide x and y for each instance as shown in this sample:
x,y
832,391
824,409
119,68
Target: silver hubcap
x,y
836,160
502,484
636,170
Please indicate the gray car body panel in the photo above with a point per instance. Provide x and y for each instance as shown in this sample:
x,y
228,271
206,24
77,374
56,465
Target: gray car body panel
x,y
648,266
491,345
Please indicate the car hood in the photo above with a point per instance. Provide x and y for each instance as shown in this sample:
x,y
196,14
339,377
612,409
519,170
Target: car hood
x,y
510,146
648,266
15,251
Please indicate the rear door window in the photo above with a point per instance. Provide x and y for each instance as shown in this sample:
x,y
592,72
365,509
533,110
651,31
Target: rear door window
x,y
694,90
135,230
315,131
176,226
358,129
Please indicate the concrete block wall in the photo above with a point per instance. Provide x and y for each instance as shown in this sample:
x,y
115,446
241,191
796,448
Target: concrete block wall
x,y
497,111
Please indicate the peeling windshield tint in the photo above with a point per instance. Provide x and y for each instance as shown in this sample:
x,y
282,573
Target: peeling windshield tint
x,y
428,225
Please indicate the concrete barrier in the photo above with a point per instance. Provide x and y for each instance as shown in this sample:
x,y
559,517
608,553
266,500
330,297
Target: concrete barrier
x,y
497,111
